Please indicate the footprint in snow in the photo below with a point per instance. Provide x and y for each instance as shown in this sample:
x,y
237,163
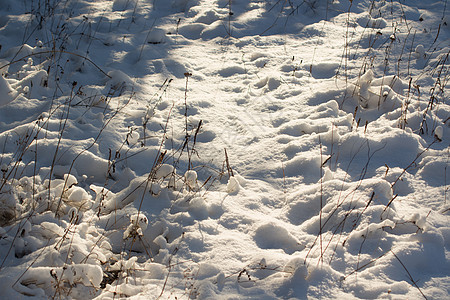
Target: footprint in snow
x,y
324,70
231,70
272,236
271,83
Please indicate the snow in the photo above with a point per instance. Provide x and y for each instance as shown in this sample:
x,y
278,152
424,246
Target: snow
x,y
215,149
190,179
6,92
438,132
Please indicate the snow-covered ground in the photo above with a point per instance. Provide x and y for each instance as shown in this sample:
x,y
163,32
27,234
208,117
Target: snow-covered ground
x,y
224,149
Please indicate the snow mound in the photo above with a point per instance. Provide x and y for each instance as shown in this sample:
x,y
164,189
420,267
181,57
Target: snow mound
x,y
7,94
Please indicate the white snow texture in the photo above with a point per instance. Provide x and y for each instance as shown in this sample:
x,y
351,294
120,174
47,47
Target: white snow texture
x,y
216,149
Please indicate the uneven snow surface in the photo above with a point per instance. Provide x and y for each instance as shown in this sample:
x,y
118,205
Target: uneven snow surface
x,y
224,149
